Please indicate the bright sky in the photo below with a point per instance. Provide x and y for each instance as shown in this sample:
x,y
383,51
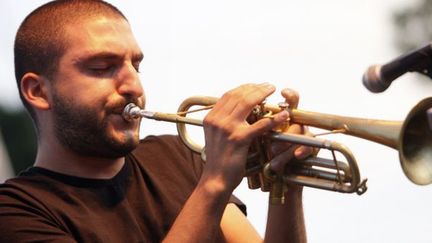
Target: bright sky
x,y
321,49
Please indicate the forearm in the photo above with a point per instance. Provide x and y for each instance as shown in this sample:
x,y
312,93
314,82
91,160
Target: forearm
x,y
199,220
285,222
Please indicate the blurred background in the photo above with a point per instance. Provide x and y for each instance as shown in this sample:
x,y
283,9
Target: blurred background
x,y
320,48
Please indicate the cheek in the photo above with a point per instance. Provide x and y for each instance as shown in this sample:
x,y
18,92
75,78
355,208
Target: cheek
x,y
76,83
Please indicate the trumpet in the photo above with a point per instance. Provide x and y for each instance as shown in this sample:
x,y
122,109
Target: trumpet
x,y
411,138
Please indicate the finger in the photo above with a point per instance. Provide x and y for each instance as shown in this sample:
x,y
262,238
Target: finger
x,y
295,129
267,124
227,103
302,152
291,97
315,150
256,95
238,103
278,147
277,164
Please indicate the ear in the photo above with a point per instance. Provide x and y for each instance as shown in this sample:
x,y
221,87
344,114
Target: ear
x,y
35,90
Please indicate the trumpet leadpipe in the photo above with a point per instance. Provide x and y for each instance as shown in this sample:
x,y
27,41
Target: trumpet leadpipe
x,y
132,111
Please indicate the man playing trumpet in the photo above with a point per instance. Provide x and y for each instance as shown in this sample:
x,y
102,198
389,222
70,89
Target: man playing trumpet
x,y
93,180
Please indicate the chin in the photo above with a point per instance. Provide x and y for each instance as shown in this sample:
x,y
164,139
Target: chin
x,y
112,147
116,149
128,140
129,136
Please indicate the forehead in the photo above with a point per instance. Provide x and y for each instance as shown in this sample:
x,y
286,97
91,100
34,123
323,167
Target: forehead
x,y
100,34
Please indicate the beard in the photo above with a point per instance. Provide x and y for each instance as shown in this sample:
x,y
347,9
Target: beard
x,y
79,129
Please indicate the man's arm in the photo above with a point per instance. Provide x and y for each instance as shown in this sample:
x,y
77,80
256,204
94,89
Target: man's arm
x,y
200,217
237,228
227,137
285,222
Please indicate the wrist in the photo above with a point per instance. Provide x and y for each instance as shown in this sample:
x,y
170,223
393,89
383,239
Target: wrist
x,y
214,187
294,192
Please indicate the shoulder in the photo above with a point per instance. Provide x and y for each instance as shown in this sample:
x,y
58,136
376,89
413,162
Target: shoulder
x,y
22,204
20,186
24,213
32,190
25,189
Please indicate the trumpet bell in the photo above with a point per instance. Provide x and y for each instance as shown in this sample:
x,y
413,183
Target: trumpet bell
x,y
415,144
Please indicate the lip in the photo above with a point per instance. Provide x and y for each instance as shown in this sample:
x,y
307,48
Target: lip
x,y
119,122
120,109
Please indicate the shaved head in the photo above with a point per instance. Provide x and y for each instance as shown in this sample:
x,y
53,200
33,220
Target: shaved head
x,y
41,39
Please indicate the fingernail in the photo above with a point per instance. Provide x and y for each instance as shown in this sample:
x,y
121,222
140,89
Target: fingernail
x,y
298,154
301,153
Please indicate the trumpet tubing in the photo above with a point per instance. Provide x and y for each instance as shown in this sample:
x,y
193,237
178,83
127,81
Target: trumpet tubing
x,y
411,137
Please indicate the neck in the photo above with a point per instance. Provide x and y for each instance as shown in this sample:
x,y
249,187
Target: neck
x,y
57,158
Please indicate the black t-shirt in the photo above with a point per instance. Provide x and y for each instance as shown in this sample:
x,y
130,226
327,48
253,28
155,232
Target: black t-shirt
x,y
139,204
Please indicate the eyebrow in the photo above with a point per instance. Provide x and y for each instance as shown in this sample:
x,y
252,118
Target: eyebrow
x,y
106,55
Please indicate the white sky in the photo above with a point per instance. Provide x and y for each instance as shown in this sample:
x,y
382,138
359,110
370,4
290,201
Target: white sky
x,y
320,48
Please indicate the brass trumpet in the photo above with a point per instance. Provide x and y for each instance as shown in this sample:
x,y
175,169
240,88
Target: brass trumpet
x,y
411,137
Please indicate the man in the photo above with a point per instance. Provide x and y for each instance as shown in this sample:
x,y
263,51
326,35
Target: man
x,y
93,180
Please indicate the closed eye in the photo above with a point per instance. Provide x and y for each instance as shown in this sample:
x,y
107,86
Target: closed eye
x,y
103,68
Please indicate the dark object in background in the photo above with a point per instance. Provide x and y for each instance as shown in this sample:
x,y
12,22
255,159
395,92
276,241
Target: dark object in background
x,y
19,138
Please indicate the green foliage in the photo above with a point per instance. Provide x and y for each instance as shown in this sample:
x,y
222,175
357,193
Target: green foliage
x,y
413,26
413,30
19,137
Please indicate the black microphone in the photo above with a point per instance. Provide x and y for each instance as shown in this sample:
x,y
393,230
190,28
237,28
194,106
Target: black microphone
x,y
378,78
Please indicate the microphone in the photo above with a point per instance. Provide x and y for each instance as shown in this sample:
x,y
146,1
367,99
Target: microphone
x,y
378,78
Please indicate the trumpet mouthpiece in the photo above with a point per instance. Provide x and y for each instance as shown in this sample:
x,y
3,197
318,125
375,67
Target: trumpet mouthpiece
x,y
130,112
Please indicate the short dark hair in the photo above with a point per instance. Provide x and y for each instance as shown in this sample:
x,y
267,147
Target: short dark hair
x,y
40,41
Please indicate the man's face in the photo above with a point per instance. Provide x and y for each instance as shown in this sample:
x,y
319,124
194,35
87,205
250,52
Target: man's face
x,y
96,78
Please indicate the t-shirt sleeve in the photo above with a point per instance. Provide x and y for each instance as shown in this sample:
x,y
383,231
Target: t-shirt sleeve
x,y
239,204
21,223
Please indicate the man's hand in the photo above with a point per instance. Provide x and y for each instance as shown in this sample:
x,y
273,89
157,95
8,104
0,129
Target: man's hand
x,y
228,135
283,152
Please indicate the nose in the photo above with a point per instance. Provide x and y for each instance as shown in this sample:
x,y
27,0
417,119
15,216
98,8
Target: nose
x,y
129,82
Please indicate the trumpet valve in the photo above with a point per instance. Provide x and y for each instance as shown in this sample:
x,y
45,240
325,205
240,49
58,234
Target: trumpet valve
x,y
277,193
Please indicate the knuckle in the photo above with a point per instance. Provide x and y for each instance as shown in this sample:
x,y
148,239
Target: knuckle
x,y
291,96
249,101
228,94
222,126
236,138
234,92
225,128
209,121
297,129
